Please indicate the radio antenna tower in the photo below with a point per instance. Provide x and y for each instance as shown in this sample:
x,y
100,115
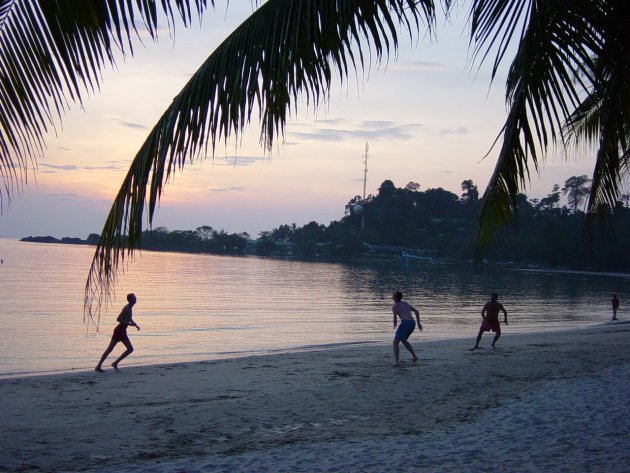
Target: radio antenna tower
x,y
365,170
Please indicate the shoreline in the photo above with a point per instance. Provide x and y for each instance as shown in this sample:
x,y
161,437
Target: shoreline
x,y
318,409
419,337
217,356
356,259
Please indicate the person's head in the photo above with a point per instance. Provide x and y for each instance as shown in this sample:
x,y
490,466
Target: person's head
x,y
131,298
397,296
494,297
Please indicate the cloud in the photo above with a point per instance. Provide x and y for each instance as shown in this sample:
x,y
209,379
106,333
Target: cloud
x,y
460,130
73,167
135,126
377,123
372,130
325,135
227,189
102,168
64,167
329,121
132,125
420,66
236,160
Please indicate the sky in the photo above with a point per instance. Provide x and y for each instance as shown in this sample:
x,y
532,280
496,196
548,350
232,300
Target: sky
x,y
426,115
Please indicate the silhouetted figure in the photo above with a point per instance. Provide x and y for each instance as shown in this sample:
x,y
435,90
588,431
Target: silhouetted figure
x,y
615,306
407,325
120,334
490,316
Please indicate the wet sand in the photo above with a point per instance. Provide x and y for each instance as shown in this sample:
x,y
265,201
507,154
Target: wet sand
x,y
552,401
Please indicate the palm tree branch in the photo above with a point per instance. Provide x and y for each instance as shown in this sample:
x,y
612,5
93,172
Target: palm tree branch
x,y
51,54
552,50
604,114
285,50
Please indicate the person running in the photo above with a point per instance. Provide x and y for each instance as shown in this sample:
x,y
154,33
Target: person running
x,y
407,325
490,316
120,334
615,306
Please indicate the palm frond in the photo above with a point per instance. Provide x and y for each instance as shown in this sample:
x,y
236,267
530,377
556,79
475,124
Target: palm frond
x,y
286,49
550,69
583,126
604,115
51,55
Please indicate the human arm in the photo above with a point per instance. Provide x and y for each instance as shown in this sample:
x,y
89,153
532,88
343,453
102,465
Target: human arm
x,y
505,321
395,318
133,324
417,313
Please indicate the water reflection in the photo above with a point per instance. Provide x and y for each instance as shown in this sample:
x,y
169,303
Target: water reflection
x,y
205,306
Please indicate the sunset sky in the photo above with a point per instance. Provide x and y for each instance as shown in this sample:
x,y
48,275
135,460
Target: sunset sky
x,y
427,115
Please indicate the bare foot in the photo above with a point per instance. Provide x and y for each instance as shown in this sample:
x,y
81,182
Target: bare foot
x,y
396,364
415,358
115,366
99,369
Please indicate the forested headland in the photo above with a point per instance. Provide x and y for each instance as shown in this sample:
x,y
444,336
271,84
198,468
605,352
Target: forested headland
x,y
434,225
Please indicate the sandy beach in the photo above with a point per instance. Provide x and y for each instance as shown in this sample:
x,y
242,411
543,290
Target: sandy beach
x,y
553,401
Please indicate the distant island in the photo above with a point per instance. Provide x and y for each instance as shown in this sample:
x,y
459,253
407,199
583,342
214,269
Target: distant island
x,y
92,239
423,227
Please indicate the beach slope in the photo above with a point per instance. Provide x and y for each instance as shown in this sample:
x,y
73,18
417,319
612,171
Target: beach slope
x,y
553,401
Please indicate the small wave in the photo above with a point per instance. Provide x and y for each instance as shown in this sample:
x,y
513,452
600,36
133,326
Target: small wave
x,y
25,374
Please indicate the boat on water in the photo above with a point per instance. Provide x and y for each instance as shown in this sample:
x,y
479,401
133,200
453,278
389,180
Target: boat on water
x,y
417,256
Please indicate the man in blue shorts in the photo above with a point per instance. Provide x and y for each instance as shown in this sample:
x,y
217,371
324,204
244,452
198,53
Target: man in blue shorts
x,y
407,325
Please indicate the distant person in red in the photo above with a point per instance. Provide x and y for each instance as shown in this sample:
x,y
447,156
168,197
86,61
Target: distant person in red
x,y
120,334
615,306
407,325
490,316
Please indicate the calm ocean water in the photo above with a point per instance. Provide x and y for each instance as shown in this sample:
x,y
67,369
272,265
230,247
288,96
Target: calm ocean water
x,y
197,307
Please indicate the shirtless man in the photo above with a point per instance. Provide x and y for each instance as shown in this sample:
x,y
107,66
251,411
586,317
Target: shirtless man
x,y
120,334
407,325
490,316
615,306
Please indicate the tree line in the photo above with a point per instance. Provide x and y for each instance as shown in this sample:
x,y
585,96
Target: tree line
x,y
436,222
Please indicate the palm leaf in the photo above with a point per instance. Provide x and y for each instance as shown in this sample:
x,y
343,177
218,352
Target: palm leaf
x,y
285,50
603,117
550,69
51,55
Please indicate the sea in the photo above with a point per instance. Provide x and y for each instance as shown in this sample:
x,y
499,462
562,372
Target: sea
x,y
194,307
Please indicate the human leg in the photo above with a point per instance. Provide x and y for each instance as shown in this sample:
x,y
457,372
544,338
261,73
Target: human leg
x,y
478,340
396,351
497,332
125,354
410,349
106,353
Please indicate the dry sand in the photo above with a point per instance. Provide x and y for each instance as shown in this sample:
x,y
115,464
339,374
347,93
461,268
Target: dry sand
x,y
552,401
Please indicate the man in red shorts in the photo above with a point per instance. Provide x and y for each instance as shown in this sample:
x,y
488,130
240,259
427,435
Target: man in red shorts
x,y
120,334
490,316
